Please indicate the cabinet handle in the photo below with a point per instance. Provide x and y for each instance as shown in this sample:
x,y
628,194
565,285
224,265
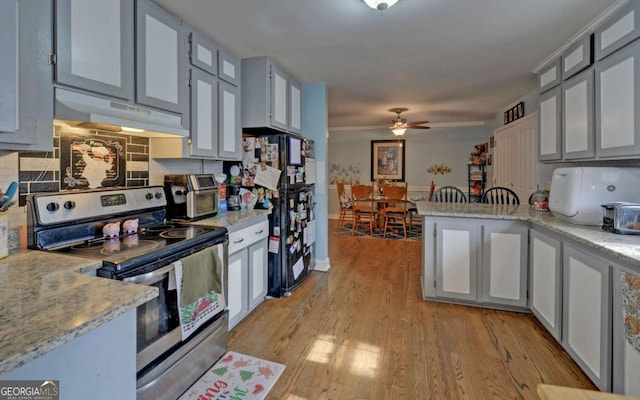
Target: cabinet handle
x,y
259,232
239,241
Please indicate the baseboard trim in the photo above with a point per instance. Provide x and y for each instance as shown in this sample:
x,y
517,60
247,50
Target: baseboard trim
x,y
322,265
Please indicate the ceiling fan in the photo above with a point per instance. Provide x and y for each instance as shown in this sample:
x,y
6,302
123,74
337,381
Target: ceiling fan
x,y
400,125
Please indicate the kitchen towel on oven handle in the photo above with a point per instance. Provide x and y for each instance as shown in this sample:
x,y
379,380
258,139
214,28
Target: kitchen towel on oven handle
x,y
198,279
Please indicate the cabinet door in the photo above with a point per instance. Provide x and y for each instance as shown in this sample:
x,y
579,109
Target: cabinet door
x,y
26,93
295,110
577,57
504,267
279,102
550,124
161,75
577,117
257,273
621,28
456,258
586,318
204,114
237,283
230,133
626,345
550,76
203,52
94,46
228,67
9,66
617,99
545,283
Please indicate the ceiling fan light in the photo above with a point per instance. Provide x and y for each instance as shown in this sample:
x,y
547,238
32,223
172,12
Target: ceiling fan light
x,y
380,4
399,131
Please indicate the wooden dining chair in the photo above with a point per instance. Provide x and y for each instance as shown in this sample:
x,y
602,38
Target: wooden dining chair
x,y
364,211
394,211
500,195
449,194
346,206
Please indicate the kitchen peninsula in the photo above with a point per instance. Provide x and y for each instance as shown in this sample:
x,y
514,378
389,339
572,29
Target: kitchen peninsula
x,y
571,277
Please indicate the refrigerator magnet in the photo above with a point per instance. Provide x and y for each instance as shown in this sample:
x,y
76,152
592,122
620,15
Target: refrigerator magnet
x,y
274,245
276,231
289,239
296,235
291,203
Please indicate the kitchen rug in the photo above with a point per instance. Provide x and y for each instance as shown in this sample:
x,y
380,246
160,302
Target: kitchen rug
x,y
236,376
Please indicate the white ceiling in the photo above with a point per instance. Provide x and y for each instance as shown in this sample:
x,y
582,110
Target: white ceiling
x,y
445,60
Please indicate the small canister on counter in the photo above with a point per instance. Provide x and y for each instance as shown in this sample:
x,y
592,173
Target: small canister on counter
x,y
540,200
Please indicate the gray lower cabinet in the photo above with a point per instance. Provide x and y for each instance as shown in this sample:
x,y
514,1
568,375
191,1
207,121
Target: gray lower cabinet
x,y
94,46
504,263
617,98
586,313
545,280
626,345
247,279
26,93
476,261
161,70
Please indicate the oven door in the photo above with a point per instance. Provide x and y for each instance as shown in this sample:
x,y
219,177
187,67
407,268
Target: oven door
x,y
158,327
202,203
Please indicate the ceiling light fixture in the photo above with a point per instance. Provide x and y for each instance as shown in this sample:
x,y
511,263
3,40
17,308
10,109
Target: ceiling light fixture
x,y
380,4
399,131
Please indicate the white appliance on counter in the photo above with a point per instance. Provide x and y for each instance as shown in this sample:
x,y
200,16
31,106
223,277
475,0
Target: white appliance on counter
x,y
577,193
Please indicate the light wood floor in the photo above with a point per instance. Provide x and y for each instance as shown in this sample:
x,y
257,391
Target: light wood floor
x,y
362,331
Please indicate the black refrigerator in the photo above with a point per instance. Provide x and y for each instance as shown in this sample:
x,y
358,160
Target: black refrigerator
x,y
279,172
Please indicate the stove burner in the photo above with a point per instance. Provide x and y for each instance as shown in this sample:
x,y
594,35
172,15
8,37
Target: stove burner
x,y
186,232
159,228
114,246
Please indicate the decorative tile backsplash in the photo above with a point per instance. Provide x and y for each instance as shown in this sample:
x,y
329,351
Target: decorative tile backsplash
x,y
83,160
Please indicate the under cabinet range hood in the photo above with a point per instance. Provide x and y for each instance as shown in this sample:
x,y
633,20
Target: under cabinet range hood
x,y
93,112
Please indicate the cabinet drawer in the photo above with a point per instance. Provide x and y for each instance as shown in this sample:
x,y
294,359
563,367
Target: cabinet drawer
x,y
577,57
622,28
550,76
242,238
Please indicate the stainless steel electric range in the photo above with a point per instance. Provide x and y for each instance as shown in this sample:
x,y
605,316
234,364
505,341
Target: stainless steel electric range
x,y
127,230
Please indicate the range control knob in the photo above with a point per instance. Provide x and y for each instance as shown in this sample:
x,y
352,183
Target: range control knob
x,y
53,207
69,205
149,196
158,195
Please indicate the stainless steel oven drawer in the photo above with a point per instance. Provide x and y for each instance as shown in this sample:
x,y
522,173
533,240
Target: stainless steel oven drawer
x,y
174,375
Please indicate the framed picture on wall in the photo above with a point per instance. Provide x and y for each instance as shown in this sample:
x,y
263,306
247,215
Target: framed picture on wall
x,y
387,160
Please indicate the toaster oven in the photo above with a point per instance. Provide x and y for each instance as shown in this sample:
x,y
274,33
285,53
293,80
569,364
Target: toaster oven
x,y
191,196
621,218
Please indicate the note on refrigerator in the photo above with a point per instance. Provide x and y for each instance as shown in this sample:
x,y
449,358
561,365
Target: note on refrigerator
x,y
310,169
267,176
298,267
274,245
310,233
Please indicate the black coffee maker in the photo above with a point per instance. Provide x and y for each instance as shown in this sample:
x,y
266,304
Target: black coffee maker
x,y
233,198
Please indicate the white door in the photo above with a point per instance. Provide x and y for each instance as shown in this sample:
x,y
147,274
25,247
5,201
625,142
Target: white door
x,y
456,258
258,267
545,281
237,287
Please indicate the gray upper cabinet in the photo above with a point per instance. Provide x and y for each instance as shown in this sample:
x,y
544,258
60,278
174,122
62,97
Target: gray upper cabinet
x,y
26,93
621,28
577,117
161,71
203,52
229,130
577,57
550,123
204,114
550,76
94,46
617,99
295,110
266,91
228,67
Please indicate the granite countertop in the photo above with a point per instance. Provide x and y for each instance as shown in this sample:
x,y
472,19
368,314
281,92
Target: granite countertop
x,y
46,300
233,220
625,248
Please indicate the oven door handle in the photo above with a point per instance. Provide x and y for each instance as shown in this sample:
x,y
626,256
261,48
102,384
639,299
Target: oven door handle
x,y
150,276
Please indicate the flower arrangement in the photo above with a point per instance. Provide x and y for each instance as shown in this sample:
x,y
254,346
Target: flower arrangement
x,y
382,182
436,169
